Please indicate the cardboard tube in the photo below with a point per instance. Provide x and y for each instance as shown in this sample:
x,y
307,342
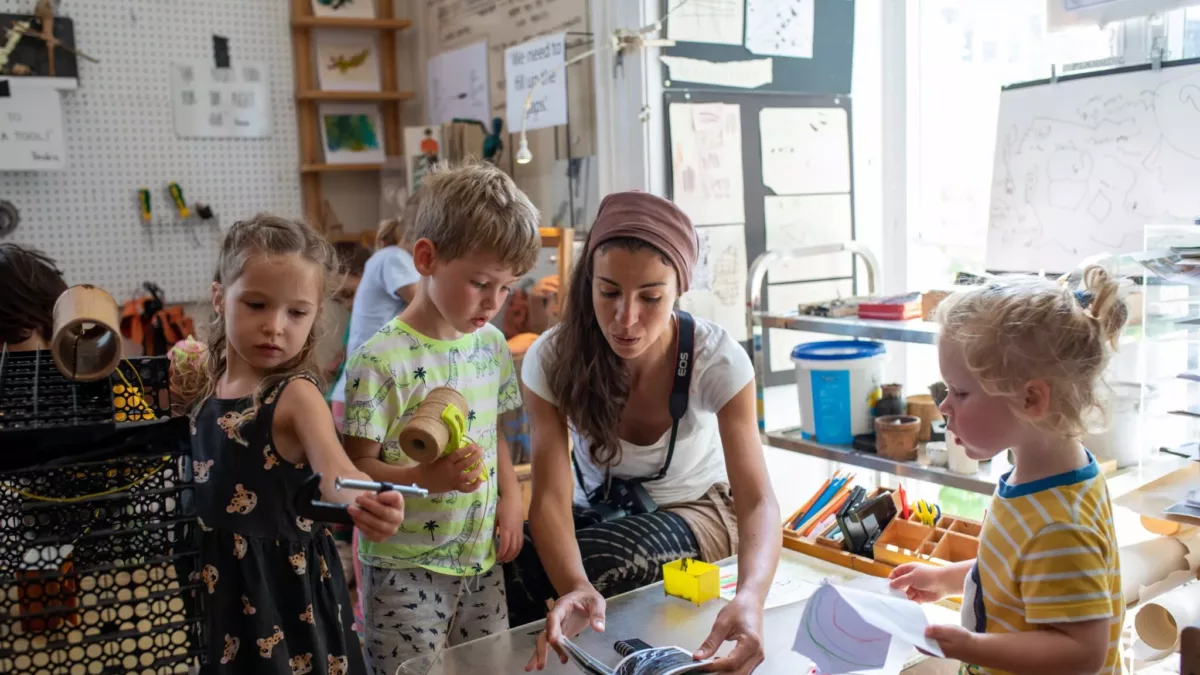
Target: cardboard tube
x,y
86,345
1159,623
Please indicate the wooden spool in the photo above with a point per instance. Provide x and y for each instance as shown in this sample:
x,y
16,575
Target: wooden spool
x,y
427,436
87,340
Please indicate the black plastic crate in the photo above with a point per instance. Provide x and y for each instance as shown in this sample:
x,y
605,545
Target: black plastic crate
x,y
97,551
34,395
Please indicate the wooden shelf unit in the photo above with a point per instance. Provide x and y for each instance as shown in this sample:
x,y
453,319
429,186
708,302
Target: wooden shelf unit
x,y
308,96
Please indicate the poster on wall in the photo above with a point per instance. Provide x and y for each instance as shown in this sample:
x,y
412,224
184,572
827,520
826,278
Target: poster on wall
x,y
805,150
713,21
211,102
31,129
352,133
422,149
348,61
458,87
536,66
706,162
718,292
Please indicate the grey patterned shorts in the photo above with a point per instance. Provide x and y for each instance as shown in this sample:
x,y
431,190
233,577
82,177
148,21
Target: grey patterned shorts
x,y
413,612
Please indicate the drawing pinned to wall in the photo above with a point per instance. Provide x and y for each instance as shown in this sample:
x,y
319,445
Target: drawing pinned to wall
x,y
719,290
211,102
747,74
347,61
780,27
422,147
809,220
713,21
344,9
458,85
1082,166
847,630
31,129
352,133
805,150
706,162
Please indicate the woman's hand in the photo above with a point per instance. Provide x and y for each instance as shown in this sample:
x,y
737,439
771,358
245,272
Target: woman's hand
x,y
741,622
571,614
509,528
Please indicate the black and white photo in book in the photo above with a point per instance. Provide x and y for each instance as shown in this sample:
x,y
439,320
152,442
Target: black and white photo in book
x,y
653,661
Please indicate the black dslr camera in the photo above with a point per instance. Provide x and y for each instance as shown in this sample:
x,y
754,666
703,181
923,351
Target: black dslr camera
x,y
624,498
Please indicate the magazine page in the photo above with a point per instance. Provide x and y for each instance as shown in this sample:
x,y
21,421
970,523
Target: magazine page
x,y
660,661
586,662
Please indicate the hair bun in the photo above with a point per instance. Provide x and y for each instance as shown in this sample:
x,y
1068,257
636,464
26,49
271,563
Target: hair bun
x,y
1103,302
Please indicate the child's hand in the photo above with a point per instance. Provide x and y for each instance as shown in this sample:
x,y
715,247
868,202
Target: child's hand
x,y
378,515
956,642
509,528
920,582
450,474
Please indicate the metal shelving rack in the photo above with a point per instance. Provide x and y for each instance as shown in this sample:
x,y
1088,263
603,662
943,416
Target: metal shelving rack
x,y
912,332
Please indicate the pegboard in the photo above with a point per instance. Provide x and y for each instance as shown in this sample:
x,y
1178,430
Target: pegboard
x,y
120,137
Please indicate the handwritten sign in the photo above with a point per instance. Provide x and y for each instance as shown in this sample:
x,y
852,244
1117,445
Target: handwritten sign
x,y
536,66
214,102
31,129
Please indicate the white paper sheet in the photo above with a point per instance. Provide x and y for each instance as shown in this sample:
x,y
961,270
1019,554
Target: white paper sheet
x,y
786,298
794,581
749,74
213,102
536,66
458,85
706,158
719,293
347,60
714,21
31,129
363,145
809,220
847,629
780,27
805,150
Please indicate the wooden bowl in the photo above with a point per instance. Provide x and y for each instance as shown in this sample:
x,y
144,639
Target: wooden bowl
x,y
896,436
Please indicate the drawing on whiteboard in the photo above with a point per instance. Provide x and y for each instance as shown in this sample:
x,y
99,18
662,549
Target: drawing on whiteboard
x,y
458,87
1082,166
780,27
706,157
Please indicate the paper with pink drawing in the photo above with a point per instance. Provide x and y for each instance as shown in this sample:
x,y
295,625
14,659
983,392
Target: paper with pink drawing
x,y
854,630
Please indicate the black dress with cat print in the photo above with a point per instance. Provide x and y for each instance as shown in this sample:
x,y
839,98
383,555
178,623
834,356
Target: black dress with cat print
x,y
275,596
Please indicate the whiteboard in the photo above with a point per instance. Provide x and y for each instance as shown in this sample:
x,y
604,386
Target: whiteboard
x,y
1082,166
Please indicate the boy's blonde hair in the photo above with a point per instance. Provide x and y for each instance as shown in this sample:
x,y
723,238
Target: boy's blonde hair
x,y
1027,329
394,231
477,208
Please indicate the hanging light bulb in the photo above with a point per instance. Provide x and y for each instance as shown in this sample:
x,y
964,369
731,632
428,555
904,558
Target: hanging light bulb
x,y
524,156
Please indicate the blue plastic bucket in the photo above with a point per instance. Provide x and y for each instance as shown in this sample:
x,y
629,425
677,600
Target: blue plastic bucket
x,y
838,380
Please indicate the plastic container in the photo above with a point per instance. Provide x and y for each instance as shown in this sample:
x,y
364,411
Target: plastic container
x,y
696,581
1121,440
838,381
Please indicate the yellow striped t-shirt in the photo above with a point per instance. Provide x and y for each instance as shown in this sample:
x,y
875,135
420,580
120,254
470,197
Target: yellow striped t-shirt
x,y
1047,554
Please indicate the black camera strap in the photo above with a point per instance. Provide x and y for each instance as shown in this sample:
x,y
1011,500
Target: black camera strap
x,y
677,403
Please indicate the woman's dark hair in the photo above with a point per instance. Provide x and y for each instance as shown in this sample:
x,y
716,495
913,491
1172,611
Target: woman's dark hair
x,y
32,284
588,379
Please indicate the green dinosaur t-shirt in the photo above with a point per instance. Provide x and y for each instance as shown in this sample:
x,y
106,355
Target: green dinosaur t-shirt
x,y
386,379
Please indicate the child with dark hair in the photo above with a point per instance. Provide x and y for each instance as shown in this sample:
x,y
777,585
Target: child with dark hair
x,y
32,283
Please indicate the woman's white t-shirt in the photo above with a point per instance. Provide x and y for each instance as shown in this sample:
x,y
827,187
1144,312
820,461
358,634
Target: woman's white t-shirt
x,y
722,369
375,302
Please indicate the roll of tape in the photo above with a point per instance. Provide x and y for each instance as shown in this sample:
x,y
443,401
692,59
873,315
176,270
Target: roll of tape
x,y
87,341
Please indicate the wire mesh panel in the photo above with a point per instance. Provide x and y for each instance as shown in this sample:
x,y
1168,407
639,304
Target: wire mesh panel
x,y
98,553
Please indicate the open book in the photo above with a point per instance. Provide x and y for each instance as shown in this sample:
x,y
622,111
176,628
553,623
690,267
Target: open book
x,y
653,661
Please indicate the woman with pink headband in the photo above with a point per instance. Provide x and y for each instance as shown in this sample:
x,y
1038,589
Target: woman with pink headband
x,y
660,407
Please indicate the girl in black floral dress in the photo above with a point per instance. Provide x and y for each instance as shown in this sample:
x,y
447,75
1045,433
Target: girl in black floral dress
x,y
275,596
